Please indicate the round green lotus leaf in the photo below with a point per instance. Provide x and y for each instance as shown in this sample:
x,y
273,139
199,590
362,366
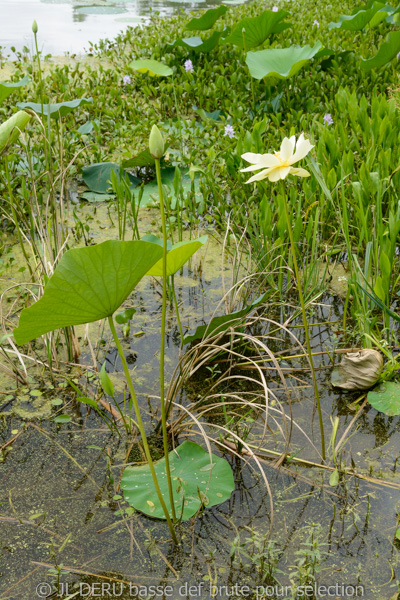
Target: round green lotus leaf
x,y
152,67
280,62
386,398
195,482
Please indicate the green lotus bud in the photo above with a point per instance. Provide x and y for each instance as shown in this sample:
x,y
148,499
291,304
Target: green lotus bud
x,y
156,143
34,27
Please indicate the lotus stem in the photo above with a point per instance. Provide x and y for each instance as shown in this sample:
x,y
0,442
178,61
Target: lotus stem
x,y
305,323
141,428
176,309
162,343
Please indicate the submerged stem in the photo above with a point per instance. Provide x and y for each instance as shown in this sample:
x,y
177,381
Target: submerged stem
x,y
162,344
305,323
141,428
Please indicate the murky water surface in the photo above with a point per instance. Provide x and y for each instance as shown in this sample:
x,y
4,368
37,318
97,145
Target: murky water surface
x,y
57,482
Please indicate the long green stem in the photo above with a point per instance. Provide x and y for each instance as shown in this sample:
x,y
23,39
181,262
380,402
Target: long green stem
x,y
162,344
178,116
305,322
141,428
14,214
251,78
177,309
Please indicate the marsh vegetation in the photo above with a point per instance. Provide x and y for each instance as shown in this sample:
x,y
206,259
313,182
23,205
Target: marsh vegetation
x,y
199,308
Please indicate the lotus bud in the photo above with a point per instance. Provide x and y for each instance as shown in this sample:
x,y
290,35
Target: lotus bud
x,y
156,143
35,27
358,370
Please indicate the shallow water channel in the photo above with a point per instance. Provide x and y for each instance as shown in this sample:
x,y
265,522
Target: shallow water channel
x,y
62,522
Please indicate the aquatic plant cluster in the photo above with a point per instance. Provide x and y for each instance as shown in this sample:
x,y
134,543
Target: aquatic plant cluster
x,y
278,142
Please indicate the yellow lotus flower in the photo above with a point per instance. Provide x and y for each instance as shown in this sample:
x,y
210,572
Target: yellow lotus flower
x,y
279,165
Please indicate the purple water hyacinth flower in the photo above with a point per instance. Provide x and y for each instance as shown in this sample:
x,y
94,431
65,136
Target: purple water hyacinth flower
x,y
398,55
229,131
189,66
316,23
275,9
126,80
328,119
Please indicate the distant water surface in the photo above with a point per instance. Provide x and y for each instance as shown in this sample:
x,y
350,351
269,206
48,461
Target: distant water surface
x,y
67,26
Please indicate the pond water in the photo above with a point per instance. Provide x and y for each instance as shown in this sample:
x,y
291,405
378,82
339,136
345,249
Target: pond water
x,y
70,25
58,494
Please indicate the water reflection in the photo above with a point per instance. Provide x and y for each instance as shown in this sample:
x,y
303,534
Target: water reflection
x,y
68,25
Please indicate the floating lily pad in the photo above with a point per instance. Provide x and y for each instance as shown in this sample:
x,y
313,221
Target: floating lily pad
x,y
386,398
195,481
280,62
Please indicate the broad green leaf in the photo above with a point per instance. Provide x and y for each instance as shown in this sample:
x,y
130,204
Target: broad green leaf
x,y
397,536
106,382
280,62
97,176
258,29
195,482
56,110
143,159
386,398
387,51
11,129
88,284
8,88
152,67
177,256
126,315
197,44
207,20
220,324
358,20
